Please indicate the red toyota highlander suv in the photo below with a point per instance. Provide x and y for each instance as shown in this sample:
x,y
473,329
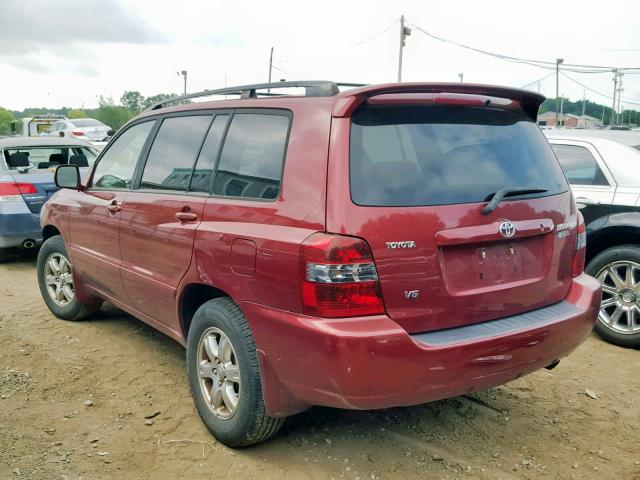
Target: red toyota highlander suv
x,y
380,246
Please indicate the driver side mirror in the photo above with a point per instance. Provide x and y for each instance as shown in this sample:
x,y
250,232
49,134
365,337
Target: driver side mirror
x,y
68,176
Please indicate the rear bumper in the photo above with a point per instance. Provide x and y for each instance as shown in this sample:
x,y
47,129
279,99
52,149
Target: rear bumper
x,y
371,362
15,228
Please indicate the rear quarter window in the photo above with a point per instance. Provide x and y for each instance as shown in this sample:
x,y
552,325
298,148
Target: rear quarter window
x,y
437,155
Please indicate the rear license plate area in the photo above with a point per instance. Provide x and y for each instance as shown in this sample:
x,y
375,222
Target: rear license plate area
x,y
477,267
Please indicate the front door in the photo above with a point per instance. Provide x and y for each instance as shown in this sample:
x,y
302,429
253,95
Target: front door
x,y
94,218
161,214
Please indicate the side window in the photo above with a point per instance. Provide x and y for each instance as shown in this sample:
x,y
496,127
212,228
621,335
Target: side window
x,y
115,168
203,173
174,152
252,156
579,165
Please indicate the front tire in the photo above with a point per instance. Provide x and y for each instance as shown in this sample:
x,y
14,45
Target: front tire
x,y
55,278
224,375
618,269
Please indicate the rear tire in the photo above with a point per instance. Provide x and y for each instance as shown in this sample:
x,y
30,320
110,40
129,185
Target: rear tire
x,y
619,317
227,387
56,282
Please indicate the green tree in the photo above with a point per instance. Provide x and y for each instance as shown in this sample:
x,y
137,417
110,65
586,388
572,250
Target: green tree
x,y
76,113
132,100
6,117
105,101
156,98
114,116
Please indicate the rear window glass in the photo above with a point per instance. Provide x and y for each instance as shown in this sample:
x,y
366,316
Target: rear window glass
x,y
252,157
174,152
439,155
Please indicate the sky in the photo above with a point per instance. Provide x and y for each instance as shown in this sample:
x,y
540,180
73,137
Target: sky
x,y
69,52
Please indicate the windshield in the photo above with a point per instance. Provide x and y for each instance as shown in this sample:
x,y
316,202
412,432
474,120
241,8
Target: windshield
x,y
438,155
87,122
46,157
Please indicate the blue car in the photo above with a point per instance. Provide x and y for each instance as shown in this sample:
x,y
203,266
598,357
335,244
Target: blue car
x,y
27,166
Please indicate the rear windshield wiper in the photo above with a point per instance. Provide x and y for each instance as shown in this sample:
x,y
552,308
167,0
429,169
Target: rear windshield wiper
x,y
497,197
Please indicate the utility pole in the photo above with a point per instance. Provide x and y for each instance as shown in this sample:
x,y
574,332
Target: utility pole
x,y
461,76
562,109
404,33
584,92
184,74
270,67
558,62
620,89
615,91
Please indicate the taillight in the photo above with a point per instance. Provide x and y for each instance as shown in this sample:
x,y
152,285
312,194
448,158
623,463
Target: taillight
x,y
78,133
339,277
581,247
11,190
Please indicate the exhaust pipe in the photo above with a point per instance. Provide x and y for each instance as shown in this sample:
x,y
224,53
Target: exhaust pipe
x,y
552,365
28,244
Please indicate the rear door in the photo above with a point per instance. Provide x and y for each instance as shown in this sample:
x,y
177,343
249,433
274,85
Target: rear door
x,y
418,178
162,213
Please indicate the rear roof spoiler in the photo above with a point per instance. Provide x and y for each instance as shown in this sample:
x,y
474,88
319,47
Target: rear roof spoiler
x,y
349,100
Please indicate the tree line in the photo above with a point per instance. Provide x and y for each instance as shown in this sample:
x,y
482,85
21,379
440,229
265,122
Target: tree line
x,y
108,112
133,102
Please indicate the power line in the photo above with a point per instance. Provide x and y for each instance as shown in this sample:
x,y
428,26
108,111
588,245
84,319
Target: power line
x,y
375,35
332,51
539,80
576,68
285,72
596,91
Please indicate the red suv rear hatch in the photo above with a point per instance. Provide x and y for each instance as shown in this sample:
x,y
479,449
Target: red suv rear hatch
x,y
421,170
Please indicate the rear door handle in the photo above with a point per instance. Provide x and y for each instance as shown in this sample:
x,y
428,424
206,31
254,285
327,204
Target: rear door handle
x,y
186,216
114,207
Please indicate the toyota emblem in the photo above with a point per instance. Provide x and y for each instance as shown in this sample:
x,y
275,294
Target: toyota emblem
x,y
507,229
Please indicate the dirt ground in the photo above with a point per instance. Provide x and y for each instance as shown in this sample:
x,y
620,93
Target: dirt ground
x,y
75,397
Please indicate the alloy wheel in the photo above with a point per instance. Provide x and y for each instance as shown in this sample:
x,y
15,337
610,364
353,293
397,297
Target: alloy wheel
x,y
219,373
58,279
620,308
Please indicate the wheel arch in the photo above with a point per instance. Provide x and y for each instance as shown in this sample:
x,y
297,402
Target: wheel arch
x,y
192,297
600,240
49,231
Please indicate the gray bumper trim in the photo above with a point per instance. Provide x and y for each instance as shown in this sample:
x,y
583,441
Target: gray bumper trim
x,y
479,331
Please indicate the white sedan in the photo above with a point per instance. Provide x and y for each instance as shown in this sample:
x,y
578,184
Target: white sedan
x,y
88,129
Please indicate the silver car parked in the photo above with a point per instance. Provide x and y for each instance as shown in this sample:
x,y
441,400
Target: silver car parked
x,y
88,129
27,166
603,168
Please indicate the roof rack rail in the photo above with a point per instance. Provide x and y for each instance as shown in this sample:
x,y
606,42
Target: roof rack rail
x,y
313,88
